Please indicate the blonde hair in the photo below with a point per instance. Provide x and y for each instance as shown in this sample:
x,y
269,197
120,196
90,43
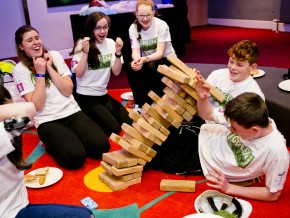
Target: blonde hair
x,y
145,2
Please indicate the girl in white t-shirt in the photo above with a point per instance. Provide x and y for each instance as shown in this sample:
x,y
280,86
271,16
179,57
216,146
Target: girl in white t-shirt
x,y
151,44
43,78
13,196
95,57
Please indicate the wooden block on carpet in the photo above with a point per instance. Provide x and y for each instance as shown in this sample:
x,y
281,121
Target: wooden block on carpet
x,y
180,77
119,161
134,133
177,185
116,183
173,59
168,82
154,113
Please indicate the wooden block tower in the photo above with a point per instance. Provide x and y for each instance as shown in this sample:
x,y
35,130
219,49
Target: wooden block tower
x,y
124,168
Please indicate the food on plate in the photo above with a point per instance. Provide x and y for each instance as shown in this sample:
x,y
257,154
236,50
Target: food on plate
x,y
41,180
28,179
255,72
41,172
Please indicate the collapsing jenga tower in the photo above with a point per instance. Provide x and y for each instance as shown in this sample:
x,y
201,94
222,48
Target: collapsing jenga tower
x,y
124,167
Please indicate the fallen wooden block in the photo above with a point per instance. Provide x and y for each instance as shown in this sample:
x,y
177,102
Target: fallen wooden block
x,y
177,185
116,184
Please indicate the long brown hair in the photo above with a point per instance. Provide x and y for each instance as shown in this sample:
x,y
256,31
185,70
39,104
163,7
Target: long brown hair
x,y
94,52
16,156
22,56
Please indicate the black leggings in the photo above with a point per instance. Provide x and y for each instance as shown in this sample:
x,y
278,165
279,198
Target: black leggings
x,y
106,111
69,140
145,80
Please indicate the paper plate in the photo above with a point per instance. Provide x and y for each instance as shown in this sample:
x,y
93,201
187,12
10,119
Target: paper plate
x,y
247,207
54,175
260,74
285,85
127,96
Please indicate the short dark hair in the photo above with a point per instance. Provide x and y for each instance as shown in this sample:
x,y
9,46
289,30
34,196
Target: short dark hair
x,y
247,109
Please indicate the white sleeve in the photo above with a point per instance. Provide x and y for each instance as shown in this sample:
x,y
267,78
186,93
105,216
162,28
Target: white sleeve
x,y
163,33
5,145
133,34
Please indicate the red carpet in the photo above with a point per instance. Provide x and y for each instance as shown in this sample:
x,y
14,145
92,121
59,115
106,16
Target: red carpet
x,y
71,188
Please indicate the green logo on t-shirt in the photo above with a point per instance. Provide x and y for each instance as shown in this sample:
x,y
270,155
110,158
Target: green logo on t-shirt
x,y
147,45
242,153
227,98
105,62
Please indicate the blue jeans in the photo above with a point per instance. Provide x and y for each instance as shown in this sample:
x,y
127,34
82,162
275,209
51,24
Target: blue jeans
x,y
54,210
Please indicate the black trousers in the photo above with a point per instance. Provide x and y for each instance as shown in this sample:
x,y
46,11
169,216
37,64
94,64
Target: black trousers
x,y
106,111
69,140
145,80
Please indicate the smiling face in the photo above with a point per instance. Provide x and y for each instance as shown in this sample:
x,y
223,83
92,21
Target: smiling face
x,y
144,15
239,70
32,44
101,30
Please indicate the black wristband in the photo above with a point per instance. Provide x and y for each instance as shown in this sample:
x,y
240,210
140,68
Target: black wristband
x,y
118,56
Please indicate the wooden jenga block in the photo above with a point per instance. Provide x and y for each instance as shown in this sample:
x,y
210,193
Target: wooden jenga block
x,y
118,161
144,132
136,134
191,101
126,154
177,185
131,176
115,183
179,100
173,59
180,77
128,147
166,116
125,171
115,138
168,82
136,144
188,89
192,81
155,124
165,106
216,94
179,109
107,167
154,113
144,124
187,116
134,115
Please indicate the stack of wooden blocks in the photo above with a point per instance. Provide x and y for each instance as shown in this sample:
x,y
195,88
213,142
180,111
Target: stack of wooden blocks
x,y
124,168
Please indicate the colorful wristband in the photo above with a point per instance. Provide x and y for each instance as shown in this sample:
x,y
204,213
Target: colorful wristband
x,y
39,75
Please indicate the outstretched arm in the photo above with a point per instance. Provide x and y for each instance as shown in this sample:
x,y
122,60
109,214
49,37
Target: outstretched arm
x,y
25,109
218,180
204,108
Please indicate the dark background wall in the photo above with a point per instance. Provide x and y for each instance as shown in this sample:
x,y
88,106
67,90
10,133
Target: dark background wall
x,y
246,9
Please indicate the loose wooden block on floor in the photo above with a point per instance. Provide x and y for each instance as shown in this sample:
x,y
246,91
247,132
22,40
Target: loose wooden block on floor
x,y
177,185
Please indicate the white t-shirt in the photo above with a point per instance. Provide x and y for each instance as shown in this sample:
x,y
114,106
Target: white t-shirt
x,y
157,32
57,106
13,194
95,81
242,160
220,79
